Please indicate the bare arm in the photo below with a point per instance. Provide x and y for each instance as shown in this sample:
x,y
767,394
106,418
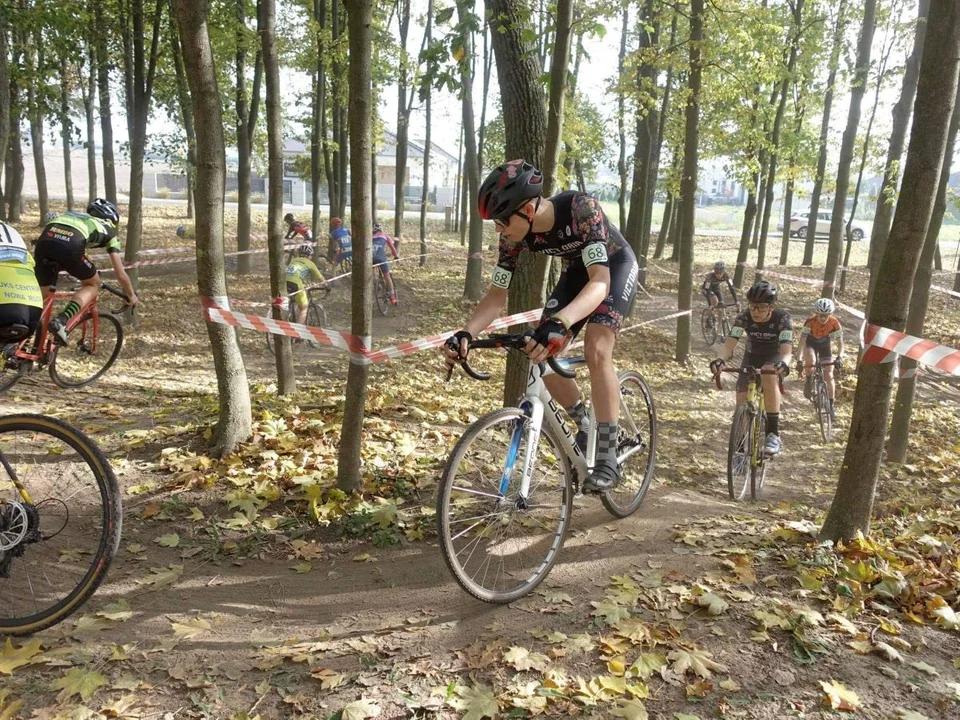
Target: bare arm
x,y
117,262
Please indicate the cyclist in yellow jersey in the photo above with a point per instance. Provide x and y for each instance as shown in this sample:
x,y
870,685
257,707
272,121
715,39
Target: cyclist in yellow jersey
x,y
299,274
816,340
21,302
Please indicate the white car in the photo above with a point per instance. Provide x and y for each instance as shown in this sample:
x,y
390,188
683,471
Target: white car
x,y
800,225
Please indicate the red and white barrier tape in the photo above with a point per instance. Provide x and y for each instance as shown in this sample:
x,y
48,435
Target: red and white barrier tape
x,y
885,345
579,343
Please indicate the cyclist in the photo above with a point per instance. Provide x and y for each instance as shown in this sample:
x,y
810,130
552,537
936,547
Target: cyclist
x,y
596,289
341,243
299,273
295,227
382,242
21,302
711,288
819,330
186,232
769,332
63,245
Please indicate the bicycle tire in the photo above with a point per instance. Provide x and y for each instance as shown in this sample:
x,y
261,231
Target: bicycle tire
x,y
513,421
316,317
740,444
758,469
60,378
10,376
624,500
709,331
111,519
381,295
725,330
823,412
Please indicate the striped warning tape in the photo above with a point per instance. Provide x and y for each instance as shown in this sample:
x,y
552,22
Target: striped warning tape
x,y
885,345
579,343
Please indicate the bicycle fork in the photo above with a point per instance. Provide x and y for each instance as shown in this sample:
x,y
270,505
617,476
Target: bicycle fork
x,y
530,426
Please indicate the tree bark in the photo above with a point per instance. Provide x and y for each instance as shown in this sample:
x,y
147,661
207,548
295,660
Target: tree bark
x,y
664,228
234,421
919,299
886,196
106,116
558,92
361,110
89,104
246,129
525,119
186,116
14,166
789,190
473,285
936,92
5,108
403,118
428,92
838,29
860,79
487,71
266,30
621,118
691,144
35,105
317,128
66,131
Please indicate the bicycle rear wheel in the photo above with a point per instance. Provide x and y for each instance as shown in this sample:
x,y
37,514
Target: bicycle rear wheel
x,y
823,412
316,317
740,452
95,344
57,545
636,446
708,326
381,294
498,545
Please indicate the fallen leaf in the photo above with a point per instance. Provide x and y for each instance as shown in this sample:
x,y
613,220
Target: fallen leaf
x,y
730,684
697,661
646,665
360,710
79,681
838,697
910,715
925,668
947,618
629,709
888,652
191,628
328,678
522,659
12,657
302,567
170,540
477,702
610,611
713,603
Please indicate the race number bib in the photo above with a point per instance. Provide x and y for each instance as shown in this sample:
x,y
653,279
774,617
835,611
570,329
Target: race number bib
x,y
593,254
501,277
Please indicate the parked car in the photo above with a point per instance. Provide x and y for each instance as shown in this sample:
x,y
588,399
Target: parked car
x,y
800,225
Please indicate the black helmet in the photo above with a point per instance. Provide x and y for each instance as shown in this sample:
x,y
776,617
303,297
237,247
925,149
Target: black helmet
x,y
289,218
181,230
105,210
720,266
378,228
507,188
762,292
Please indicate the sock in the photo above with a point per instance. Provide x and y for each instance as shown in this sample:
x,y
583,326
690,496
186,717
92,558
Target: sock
x,y
69,311
831,403
607,442
578,413
773,423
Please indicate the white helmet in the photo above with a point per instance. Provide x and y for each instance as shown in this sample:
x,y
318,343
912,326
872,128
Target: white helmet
x,y
825,306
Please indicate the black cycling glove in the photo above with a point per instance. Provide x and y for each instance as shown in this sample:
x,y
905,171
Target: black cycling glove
x,y
781,368
717,365
453,342
552,334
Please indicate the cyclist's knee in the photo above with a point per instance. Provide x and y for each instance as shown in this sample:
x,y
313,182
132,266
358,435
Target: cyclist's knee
x,y
598,346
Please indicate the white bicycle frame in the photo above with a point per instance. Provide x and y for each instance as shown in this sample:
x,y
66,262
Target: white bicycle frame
x,y
538,404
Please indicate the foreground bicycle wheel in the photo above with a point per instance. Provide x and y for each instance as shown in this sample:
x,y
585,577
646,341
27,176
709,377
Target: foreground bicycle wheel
x,y
95,344
740,452
638,437
56,545
498,545
708,326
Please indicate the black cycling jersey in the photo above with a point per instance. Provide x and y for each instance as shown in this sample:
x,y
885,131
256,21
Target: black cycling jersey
x,y
764,339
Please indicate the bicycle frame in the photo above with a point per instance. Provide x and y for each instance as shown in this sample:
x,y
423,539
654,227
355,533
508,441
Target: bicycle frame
x,y
41,347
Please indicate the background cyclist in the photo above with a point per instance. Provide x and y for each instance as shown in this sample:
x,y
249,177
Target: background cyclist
x,y
340,247
769,333
713,283
381,243
295,227
819,330
302,273
596,289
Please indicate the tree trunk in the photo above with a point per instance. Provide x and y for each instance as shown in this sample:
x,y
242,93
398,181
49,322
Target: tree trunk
x,y
691,144
14,167
5,107
35,106
186,117
464,195
266,30
361,110
525,120
860,79
761,199
903,404
66,131
106,117
789,190
808,245
675,225
473,286
246,128
487,71
936,92
621,119
403,118
317,129
428,91
748,214
458,184
89,104
335,187
234,421
664,228
886,196
558,92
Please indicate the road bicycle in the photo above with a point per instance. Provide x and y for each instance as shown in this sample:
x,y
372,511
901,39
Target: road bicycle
x,y
746,458
316,314
381,293
820,399
60,521
714,324
95,339
505,497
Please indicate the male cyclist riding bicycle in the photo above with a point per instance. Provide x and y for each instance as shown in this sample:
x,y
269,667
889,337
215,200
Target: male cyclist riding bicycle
x,y
299,273
596,289
21,302
63,245
769,332
295,228
340,247
381,243
711,287
815,346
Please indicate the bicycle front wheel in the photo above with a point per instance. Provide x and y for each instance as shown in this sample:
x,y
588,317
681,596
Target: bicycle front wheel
x,y
740,452
724,329
316,317
636,445
95,344
758,464
381,294
823,412
708,326
498,544
58,538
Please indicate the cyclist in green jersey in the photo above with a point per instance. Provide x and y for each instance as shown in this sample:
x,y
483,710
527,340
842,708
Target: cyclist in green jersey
x,y
300,272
